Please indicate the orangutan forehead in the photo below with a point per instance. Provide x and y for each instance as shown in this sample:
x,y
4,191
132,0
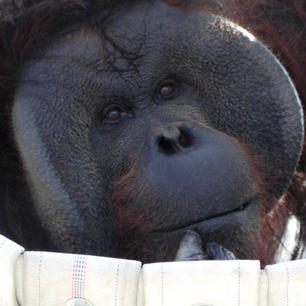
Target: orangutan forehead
x,y
141,31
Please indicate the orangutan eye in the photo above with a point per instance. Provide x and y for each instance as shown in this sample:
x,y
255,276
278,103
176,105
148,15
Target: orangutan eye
x,y
167,89
114,114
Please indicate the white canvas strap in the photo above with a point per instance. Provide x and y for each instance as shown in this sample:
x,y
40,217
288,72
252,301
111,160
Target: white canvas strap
x,y
286,283
64,279
209,283
53,279
224,283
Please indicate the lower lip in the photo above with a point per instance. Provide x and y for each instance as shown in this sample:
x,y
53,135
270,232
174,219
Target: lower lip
x,y
240,209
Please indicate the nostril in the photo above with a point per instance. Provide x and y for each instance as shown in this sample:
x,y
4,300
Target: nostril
x,y
185,139
168,146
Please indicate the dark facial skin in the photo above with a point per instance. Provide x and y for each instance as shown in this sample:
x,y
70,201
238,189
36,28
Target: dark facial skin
x,y
155,121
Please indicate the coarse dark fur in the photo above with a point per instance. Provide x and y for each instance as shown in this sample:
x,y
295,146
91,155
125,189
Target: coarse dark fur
x,y
280,25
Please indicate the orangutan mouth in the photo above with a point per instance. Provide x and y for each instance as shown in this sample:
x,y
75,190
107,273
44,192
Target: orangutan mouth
x,y
240,208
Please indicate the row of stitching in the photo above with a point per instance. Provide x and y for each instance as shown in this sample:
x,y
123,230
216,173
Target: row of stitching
x,y
78,276
239,279
117,284
39,276
287,288
162,284
268,286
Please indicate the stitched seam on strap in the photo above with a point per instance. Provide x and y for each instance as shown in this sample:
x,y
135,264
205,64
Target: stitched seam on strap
x,y
239,274
79,276
39,276
84,278
268,287
287,289
117,283
162,285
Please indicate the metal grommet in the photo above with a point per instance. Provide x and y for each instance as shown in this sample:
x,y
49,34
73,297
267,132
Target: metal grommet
x,y
78,302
